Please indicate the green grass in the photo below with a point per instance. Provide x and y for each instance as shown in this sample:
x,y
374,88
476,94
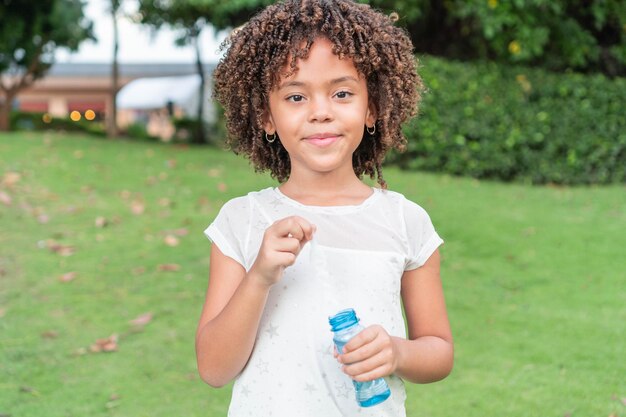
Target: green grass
x,y
535,281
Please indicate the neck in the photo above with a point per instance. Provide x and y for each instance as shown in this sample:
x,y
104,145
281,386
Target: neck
x,y
326,188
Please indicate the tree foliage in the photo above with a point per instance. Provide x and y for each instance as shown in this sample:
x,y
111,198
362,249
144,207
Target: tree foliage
x,y
30,31
589,35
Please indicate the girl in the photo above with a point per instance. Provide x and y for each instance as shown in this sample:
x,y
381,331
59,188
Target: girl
x,y
315,91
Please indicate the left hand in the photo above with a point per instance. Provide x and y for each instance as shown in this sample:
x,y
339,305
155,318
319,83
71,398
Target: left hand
x,y
369,355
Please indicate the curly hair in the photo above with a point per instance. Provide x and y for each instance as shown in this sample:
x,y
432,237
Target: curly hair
x,y
257,53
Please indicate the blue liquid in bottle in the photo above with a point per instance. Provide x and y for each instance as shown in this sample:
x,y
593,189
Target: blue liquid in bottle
x,y
345,325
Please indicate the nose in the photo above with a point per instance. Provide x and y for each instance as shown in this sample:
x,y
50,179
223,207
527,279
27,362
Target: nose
x,y
321,110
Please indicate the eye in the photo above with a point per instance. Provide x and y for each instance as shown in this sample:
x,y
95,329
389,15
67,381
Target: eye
x,y
344,94
296,98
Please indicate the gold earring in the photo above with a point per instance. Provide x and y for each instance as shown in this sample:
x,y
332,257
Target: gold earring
x,y
267,137
371,132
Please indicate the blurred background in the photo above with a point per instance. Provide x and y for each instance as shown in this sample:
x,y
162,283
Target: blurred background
x,y
112,163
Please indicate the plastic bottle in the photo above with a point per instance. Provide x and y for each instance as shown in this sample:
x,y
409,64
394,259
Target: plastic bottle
x,y
345,325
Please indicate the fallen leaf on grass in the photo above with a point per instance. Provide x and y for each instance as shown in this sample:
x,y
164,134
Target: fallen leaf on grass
x,y
137,207
222,187
114,401
168,267
43,218
108,344
5,198
3,311
29,390
11,178
140,270
171,163
165,202
141,320
67,277
101,222
59,249
171,240
50,334
214,172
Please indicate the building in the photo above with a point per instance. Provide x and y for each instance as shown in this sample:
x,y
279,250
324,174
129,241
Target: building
x,y
80,87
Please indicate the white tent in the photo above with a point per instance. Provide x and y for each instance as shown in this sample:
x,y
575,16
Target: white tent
x,y
155,93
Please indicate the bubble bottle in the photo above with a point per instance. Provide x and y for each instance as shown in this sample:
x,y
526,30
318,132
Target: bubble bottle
x,y
345,325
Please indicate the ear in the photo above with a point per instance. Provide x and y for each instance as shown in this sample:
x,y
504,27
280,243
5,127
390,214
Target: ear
x,y
372,114
268,122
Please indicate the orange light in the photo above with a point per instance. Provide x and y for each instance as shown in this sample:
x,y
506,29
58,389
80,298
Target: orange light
x,y
75,116
46,118
90,115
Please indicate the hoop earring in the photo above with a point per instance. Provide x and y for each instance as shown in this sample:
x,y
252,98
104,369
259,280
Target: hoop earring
x,y
267,137
371,132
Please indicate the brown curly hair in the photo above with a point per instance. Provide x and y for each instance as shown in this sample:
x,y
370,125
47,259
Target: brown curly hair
x,y
257,53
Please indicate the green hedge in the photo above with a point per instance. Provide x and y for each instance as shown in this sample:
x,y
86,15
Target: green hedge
x,y
514,123
35,121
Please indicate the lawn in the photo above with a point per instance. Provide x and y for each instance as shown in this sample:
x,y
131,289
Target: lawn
x,y
103,268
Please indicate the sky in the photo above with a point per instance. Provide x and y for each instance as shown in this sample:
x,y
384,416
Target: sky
x,y
137,44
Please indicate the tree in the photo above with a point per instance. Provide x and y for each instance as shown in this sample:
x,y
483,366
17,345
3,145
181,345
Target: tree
x,y
30,31
586,35
183,16
191,17
112,118
556,34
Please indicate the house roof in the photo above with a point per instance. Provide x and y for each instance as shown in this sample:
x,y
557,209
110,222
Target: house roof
x,y
125,70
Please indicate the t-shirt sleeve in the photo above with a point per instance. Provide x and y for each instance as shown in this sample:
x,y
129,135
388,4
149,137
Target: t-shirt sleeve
x,y
422,238
229,230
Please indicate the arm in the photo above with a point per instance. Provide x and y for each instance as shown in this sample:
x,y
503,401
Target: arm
x,y
235,300
428,354
229,321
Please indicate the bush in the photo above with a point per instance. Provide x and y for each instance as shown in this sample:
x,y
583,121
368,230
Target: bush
x,y
41,121
515,123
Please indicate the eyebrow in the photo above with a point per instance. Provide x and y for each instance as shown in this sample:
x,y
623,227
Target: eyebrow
x,y
302,84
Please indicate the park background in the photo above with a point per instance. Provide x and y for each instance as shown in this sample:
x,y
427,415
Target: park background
x,y
519,155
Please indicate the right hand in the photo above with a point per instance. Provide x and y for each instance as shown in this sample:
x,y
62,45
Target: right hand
x,y
282,242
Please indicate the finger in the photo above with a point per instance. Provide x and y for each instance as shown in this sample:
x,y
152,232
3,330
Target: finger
x,y
285,258
296,227
362,353
287,245
363,338
380,372
365,366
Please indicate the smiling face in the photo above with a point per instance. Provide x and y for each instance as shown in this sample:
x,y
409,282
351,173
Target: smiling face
x,y
320,112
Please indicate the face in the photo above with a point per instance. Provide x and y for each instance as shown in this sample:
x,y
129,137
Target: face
x,y
320,112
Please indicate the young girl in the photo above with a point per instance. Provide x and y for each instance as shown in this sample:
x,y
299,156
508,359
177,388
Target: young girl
x,y
315,91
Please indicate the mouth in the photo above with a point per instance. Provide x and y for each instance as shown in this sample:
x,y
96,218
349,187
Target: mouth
x,y
322,139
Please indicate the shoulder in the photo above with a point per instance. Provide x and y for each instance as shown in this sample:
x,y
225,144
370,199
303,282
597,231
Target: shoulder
x,y
244,203
403,205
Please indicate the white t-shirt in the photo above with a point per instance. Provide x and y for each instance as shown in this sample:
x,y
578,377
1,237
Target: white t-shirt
x,y
356,260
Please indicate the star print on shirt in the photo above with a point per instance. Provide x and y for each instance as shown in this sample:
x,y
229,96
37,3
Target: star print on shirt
x,y
343,390
260,225
263,366
272,331
245,391
275,203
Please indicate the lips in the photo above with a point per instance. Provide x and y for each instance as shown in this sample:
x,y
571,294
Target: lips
x,y
323,139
